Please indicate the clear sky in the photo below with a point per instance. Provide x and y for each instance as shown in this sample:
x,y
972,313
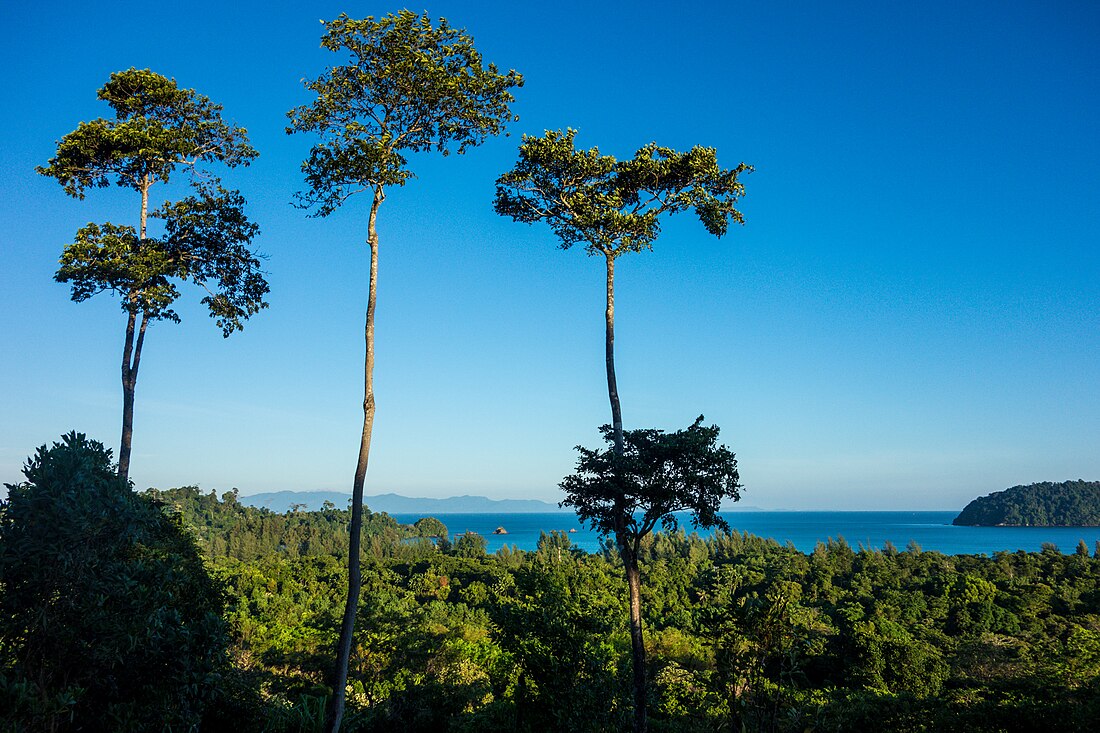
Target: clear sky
x,y
910,317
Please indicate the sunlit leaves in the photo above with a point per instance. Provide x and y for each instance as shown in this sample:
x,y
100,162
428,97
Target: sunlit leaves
x,y
611,206
157,128
407,87
112,258
206,242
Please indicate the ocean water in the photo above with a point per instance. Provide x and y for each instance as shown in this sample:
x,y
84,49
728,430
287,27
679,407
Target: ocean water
x,y
930,530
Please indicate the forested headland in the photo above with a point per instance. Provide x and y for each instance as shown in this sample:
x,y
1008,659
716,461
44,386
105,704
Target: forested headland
x,y
1065,504
743,633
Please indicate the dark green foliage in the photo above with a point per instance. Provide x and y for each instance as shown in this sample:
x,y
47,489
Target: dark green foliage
x,y
207,238
559,624
228,528
1066,504
743,634
107,613
431,527
469,544
658,474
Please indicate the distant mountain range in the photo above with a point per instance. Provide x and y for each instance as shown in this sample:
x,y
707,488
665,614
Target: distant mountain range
x,y
281,501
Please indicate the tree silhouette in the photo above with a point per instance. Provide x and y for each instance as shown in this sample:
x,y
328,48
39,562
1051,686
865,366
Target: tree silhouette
x,y
626,494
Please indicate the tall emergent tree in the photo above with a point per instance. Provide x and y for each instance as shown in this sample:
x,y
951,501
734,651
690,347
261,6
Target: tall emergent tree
x,y
159,128
614,207
408,87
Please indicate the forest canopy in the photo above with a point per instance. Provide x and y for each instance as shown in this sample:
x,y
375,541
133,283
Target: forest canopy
x,y
1066,504
743,633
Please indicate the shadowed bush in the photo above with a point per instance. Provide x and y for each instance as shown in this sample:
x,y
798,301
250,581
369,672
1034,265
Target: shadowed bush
x,y
107,611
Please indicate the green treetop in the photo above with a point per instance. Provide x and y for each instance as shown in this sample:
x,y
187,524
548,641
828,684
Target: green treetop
x,y
410,87
158,128
612,207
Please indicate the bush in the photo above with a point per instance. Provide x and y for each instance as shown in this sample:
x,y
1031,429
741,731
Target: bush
x,y
105,602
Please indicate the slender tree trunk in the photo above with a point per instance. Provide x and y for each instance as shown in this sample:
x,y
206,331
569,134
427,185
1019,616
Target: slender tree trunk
x,y
131,355
131,360
627,548
609,350
637,644
335,712
145,184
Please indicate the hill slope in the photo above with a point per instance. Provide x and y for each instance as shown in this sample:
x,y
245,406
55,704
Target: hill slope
x,y
1066,504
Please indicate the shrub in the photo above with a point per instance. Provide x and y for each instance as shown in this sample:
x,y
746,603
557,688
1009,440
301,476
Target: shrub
x,y
105,601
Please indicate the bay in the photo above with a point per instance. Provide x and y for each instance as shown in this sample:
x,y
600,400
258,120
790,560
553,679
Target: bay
x,y
930,530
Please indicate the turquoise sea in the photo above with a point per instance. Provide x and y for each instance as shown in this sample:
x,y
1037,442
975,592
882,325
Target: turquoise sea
x,y
930,530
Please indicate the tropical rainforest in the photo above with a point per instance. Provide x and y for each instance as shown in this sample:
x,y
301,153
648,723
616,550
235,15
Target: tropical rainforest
x,y
1066,504
179,610
198,612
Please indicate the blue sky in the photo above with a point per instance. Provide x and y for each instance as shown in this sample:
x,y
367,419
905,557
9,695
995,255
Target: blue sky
x,y
909,318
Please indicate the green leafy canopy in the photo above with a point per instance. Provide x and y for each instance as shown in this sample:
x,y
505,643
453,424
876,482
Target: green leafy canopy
x,y
157,128
409,87
611,206
111,258
207,242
